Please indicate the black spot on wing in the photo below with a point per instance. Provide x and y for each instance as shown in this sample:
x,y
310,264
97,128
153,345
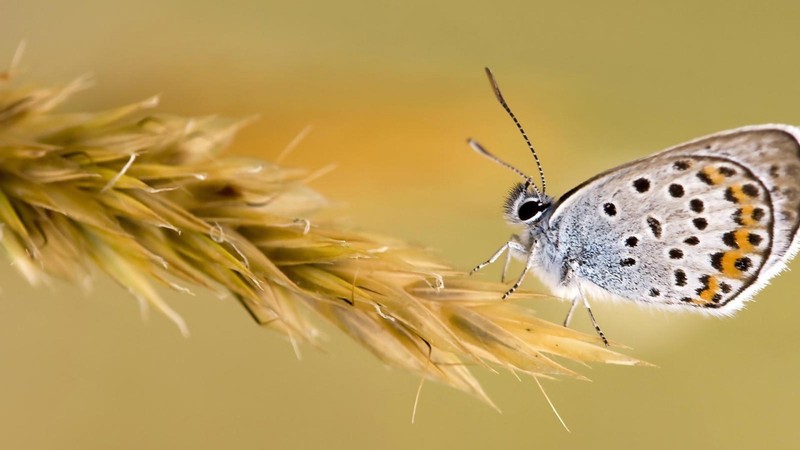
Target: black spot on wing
x,y
729,239
750,190
716,260
703,176
743,264
676,190
700,223
680,278
682,165
696,205
655,226
704,280
729,196
641,185
691,240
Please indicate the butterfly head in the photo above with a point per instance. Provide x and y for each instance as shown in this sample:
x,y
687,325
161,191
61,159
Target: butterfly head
x,y
526,207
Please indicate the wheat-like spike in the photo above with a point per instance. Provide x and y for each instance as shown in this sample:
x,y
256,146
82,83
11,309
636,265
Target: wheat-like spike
x,y
149,198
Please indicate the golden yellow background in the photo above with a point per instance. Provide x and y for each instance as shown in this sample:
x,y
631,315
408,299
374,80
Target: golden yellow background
x,y
392,90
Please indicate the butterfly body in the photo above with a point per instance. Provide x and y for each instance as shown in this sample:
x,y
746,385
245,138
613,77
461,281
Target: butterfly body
x,y
701,226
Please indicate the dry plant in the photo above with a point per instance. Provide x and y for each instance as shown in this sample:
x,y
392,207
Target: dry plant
x,y
148,199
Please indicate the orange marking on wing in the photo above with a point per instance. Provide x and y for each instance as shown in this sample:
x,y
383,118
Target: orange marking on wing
x,y
729,263
713,174
708,293
746,217
738,194
742,238
700,302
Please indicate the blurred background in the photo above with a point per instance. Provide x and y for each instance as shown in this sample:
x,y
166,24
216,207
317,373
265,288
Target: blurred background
x,y
392,90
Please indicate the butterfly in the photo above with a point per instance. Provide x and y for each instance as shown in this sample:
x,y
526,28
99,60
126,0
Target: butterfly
x,y
700,226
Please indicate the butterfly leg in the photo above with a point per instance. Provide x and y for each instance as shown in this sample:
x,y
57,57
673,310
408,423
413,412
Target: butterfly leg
x,y
568,271
517,284
505,266
571,312
491,260
512,245
594,322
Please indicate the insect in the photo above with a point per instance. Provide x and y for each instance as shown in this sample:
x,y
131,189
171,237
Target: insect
x,y
700,226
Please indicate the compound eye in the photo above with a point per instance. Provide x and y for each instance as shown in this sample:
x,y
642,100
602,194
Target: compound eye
x,y
529,210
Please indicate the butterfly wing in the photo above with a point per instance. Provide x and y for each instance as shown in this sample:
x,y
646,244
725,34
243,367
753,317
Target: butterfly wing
x,y
704,224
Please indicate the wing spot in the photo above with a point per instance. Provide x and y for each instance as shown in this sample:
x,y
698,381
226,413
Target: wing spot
x,y
704,280
750,190
727,171
710,176
691,240
632,241
773,171
676,190
610,209
696,205
700,223
731,194
655,226
742,239
725,287
740,218
627,262
741,194
731,263
708,292
680,278
748,215
641,185
654,292
676,253
682,165
743,264
729,239
754,239
716,260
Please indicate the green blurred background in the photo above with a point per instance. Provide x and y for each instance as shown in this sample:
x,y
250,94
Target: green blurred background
x,y
392,91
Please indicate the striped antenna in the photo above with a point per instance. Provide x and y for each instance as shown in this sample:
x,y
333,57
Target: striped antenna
x,y
502,101
479,148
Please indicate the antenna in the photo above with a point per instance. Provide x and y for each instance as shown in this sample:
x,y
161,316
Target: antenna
x,y
502,101
479,148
